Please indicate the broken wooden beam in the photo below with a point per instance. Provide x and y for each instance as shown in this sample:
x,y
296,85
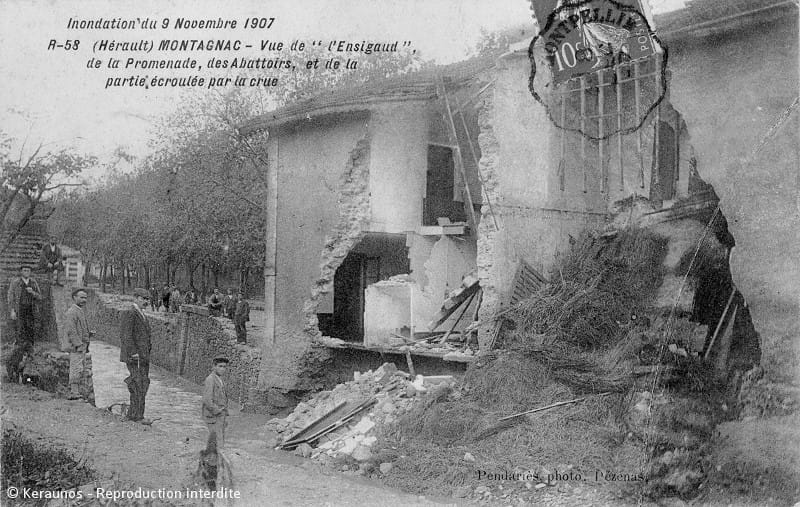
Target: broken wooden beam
x,y
452,303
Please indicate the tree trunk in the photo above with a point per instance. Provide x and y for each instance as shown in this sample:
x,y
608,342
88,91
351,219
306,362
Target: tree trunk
x,y
103,276
243,284
122,276
190,270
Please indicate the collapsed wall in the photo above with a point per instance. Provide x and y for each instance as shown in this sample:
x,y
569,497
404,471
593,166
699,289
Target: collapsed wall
x,y
353,216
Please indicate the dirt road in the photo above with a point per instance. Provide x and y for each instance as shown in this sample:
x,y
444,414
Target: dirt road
x,y
165,455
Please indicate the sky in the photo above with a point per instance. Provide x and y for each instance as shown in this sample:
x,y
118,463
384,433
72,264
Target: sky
x,y
50,95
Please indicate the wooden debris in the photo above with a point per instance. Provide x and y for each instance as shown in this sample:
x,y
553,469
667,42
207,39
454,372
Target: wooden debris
x,y
464,307
469,286
410,364
294,442
540,409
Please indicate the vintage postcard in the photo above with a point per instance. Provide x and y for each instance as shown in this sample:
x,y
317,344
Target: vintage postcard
x,y
461,252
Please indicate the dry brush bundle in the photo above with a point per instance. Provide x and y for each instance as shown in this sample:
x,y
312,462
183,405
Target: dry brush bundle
x,y
596,285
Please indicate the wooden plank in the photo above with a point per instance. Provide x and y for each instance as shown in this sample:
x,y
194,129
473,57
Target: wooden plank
x,y
465,307
601,131
719,324
477,166
721,361
636,91
459,161
619,130
583,129
451,304
319,423
294,441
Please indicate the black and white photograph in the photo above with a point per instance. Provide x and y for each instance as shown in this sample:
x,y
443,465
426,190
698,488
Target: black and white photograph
x,y
400,253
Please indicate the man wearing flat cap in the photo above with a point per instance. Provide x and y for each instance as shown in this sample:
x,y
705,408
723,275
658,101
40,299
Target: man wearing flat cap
x,y
135,353
76,342
215,401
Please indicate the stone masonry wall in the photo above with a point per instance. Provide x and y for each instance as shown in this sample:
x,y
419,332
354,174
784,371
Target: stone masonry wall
x,y
184,343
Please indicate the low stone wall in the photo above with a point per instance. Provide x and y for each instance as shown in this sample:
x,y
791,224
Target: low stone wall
x,y
183,343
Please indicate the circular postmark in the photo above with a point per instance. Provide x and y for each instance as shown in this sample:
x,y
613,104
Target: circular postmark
x,y
607,67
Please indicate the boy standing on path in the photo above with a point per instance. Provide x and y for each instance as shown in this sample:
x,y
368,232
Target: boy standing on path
x,y
215,401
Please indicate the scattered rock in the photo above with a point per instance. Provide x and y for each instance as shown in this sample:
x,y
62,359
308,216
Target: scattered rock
x,y
386,468
469,457
303,450
361,453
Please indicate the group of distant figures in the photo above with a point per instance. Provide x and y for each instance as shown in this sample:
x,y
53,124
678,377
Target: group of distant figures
x,y
233,306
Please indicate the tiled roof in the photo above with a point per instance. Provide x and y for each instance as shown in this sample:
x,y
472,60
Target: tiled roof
x,y
414,85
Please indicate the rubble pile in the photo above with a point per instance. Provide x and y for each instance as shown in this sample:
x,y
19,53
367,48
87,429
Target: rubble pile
x,y
393,391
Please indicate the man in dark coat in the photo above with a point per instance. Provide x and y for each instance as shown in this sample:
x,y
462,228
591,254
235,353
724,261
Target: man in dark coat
x,y
50,259
165,294
153,298
230,305
23,306
135,353
240,318
215,303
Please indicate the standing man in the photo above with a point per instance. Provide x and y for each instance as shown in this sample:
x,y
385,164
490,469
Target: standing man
x,y
50,260
240,318
77,337
215,401
215,303
175,300
135,353
165,293
230,305
153,298
23,297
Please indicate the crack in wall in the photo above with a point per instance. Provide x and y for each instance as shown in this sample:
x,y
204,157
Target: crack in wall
x,y
354,214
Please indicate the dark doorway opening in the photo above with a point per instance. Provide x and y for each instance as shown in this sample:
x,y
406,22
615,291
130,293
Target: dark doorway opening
x,y
377,256
440,188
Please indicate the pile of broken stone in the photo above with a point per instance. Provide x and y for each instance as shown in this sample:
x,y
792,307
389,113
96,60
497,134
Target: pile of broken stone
x,y
394,392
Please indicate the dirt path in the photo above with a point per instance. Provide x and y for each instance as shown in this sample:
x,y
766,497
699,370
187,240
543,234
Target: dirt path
x,y
165,455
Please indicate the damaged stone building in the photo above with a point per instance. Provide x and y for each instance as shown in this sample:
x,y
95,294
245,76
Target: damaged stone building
x,y
385,198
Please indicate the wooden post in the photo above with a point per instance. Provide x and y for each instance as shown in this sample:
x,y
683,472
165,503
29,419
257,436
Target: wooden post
x,y
637,106
458,160
619,130
601,129
721,361
562,163
583,129
271,245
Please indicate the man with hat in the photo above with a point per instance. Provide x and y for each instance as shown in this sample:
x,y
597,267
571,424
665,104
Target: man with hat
x,y
215,303
134,351
76,342
215,400
51,260
24,296
241,316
